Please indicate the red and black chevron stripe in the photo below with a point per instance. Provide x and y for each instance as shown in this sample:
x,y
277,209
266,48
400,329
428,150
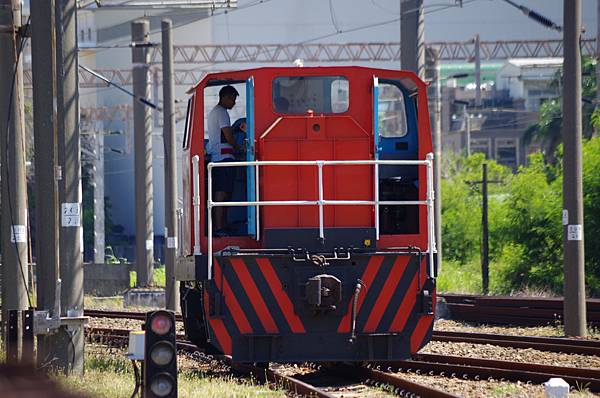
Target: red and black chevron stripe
x,y
263,296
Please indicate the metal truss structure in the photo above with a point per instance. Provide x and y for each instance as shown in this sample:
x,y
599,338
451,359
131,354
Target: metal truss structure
x,y
207,56
363,52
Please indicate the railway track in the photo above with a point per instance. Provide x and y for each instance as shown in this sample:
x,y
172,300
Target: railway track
x,y
386,373
449,366
294,385
480,369
551,344
522,311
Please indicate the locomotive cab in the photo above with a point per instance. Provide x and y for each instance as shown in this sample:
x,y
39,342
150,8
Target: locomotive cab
x,y
330,254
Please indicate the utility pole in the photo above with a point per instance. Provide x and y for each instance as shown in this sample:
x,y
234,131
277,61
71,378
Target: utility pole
x,y
171,235
597,58
574,260
435,98
142,126
485,246
12,163
412,37
98,168
477,72
69,158
47,171
467,119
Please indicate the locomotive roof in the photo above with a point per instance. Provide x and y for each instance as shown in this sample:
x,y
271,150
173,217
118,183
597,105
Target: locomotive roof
x,y
410,80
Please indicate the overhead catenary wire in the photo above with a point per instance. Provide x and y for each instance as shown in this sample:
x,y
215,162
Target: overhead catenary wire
x,y
351,30
123,89
536,16
125,43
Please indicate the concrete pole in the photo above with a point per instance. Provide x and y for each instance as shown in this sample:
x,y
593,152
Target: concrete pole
x,y
99,236
597,59
46,167
435,98
485,248
574,284
69,157
477,72
467,119
171,291
12,157
142,126
412,39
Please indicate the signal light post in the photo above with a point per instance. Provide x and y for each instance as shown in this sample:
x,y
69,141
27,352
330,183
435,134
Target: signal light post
x,y
160,355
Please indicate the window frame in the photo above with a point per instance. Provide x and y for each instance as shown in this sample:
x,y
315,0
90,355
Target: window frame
x,y
338,77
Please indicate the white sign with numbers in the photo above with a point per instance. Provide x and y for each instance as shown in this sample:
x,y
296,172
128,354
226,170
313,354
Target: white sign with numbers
x,y
18,234
70,215
575,232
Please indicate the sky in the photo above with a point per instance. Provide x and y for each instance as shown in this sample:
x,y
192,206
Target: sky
x,y
291,21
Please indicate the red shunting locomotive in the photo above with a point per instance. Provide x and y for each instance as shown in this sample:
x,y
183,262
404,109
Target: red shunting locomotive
x,y
330,252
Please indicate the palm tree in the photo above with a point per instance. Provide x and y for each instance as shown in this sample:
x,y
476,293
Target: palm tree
x,y
548,130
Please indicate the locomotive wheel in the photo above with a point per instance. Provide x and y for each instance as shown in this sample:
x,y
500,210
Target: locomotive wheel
x,y
193,318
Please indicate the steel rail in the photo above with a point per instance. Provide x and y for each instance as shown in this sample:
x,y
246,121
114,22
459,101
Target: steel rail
x,y
537,340
491,369
374,375
527,311
518,343
589,373
291,384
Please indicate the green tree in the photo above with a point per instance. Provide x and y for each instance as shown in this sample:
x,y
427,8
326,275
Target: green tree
x,y
548,130
533,228
461,206
591,202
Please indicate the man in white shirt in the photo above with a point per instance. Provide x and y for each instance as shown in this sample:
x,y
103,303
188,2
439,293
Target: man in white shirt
x,y
221,148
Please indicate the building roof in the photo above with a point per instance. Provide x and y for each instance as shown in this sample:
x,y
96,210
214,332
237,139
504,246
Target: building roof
x,y
488,71
536,62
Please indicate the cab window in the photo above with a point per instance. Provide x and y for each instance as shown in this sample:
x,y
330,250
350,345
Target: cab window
x,y
391,111
297,95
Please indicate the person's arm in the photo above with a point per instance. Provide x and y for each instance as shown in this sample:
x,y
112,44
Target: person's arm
x,y
228,134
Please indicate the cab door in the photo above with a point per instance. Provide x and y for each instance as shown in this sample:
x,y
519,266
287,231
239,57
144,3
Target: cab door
x,y
395,133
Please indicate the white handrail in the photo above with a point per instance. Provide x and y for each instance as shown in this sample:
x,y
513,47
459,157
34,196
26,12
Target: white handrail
x,y
257,195
430,212
430,196
196,203
377,203
321,220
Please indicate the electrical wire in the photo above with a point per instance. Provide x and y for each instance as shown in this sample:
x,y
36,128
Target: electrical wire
x,y
332,16
202,18
110,83
137,378
539,18
6,166
358,28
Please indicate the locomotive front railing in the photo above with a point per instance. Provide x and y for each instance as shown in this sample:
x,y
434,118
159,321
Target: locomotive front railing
x,y
431,245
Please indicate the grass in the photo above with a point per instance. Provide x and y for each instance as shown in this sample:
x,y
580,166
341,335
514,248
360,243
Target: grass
x,y
460,278
158,277
466,279
103,303
109,374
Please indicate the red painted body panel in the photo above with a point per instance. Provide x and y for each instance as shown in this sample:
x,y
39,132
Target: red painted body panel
x,y
343,136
